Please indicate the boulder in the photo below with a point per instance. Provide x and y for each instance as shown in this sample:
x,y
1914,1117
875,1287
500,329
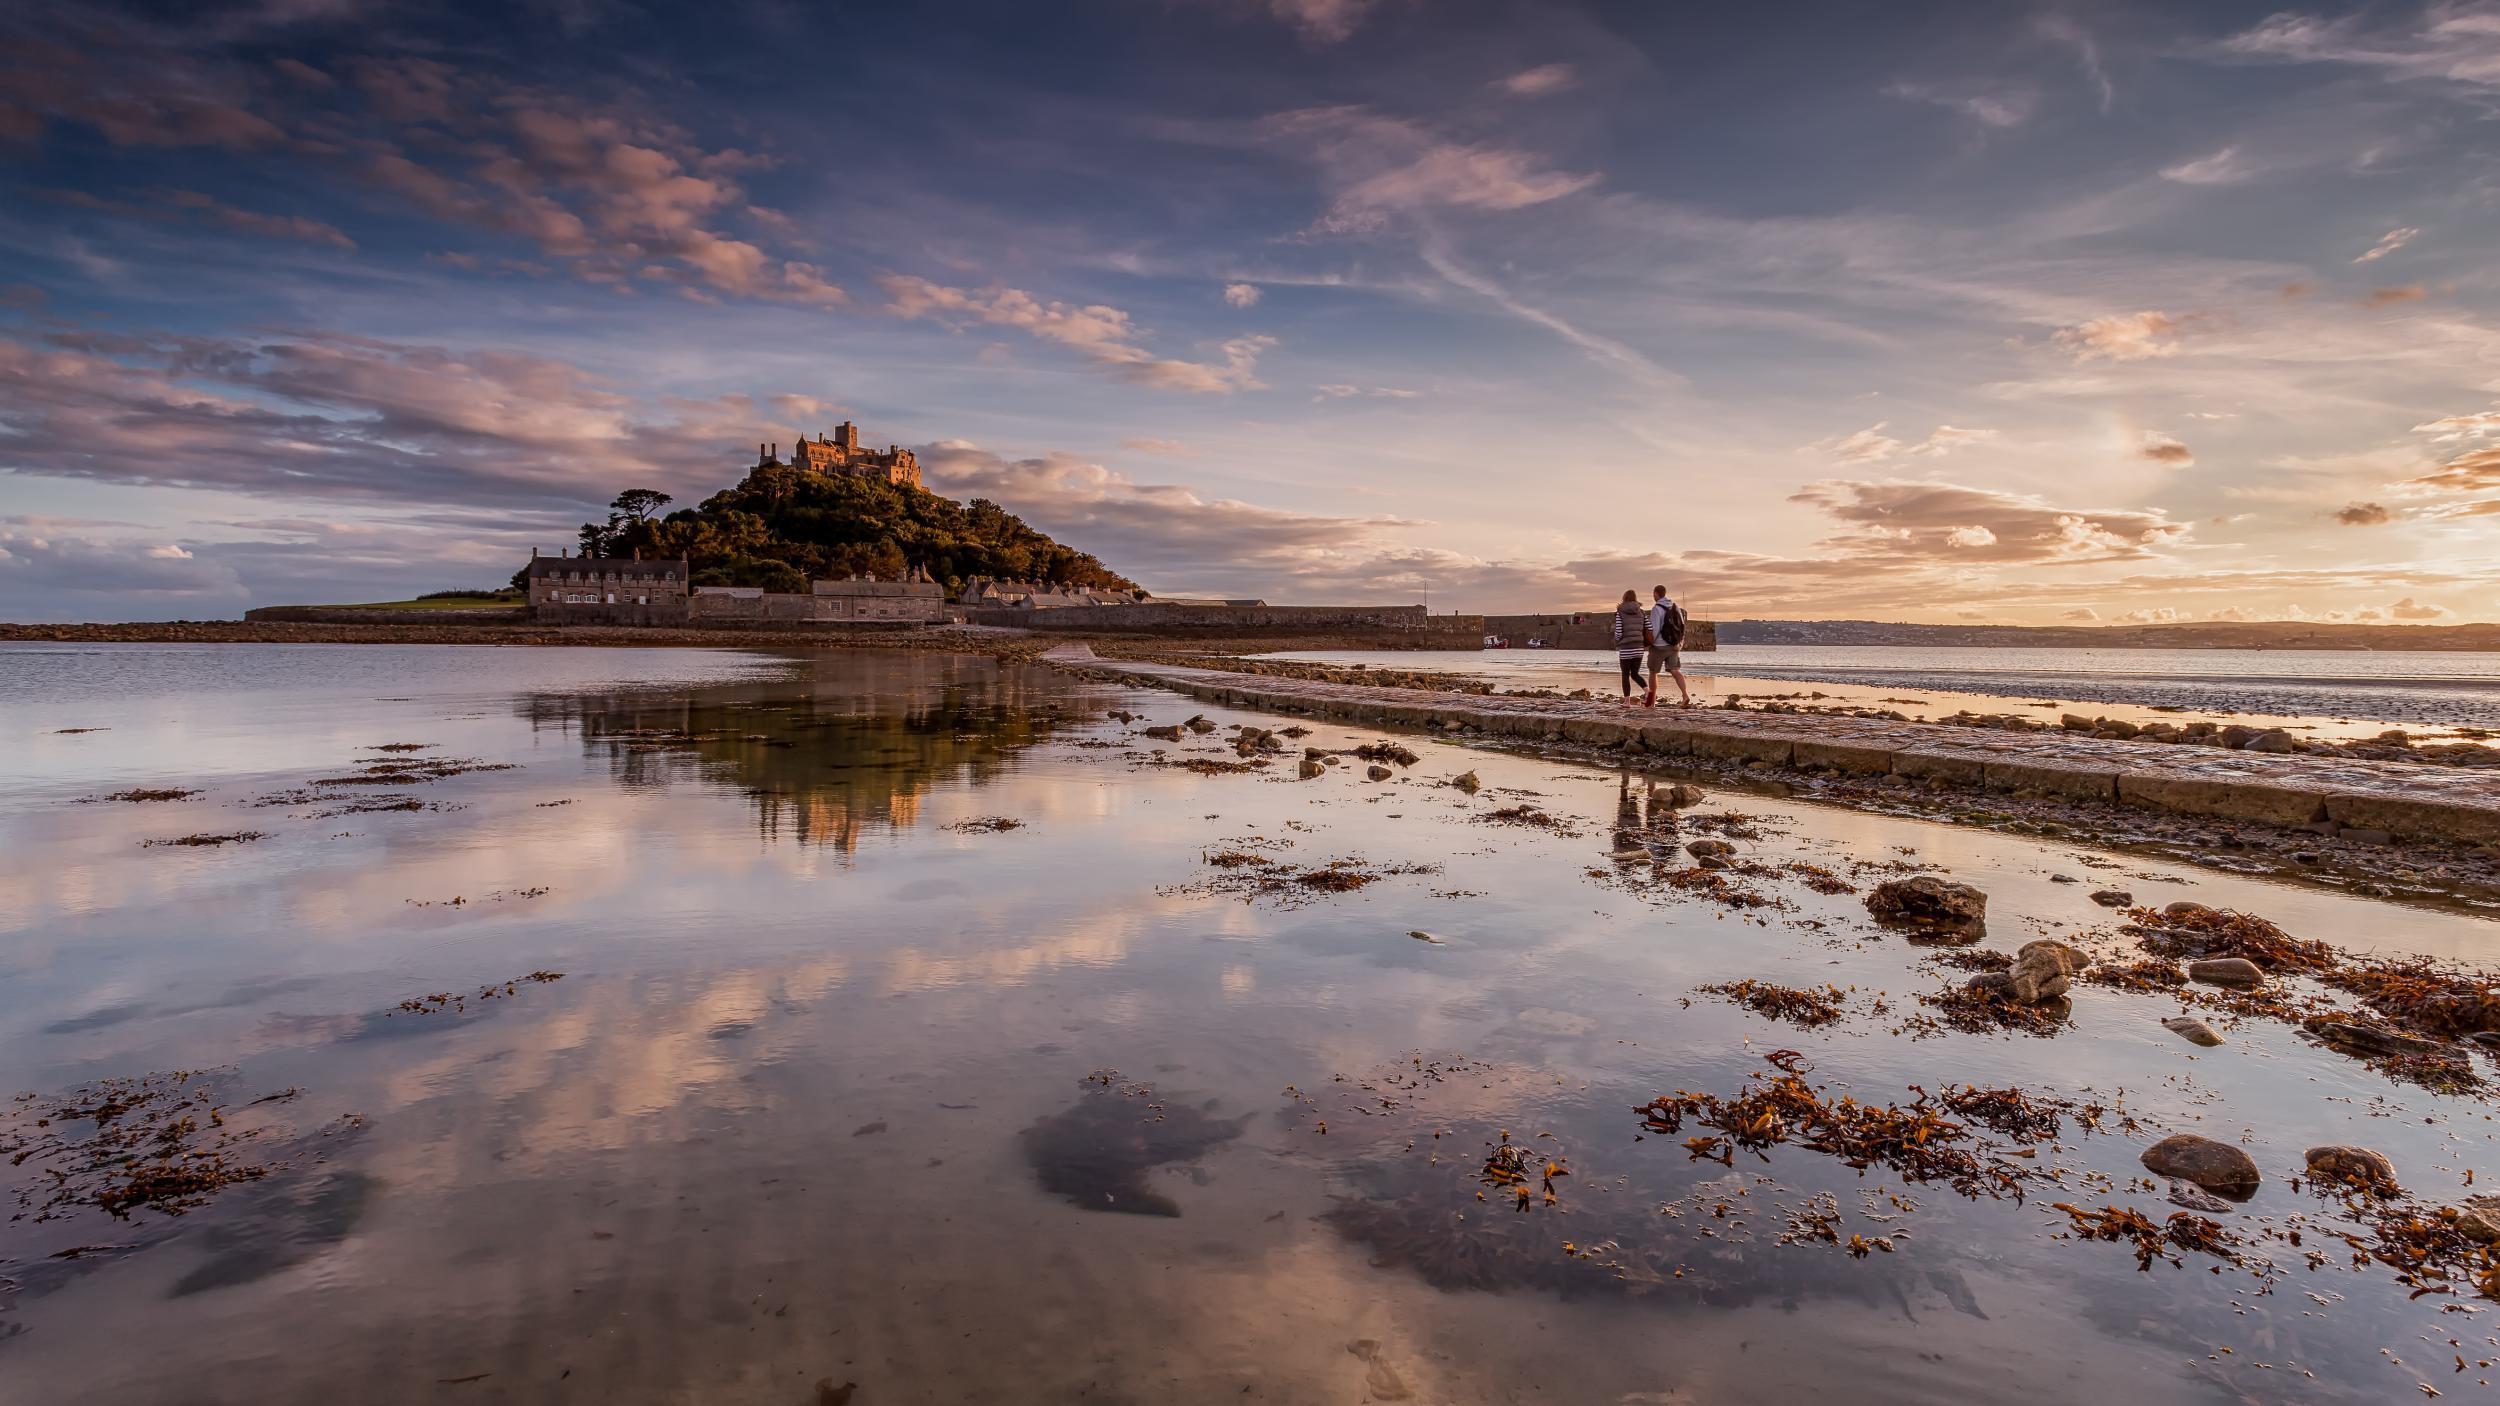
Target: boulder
x,y
2218,1167
2479,1219
1710,849
2354,1166
2273,739
1680,795
2369,1041
2185,909
2192,1030
1312,766
2196,1198
1928,901
1377,772
2114,898
1168,734
2072,723
1466,781
1997,984
2119,728
2237,972
2238,736
2039,972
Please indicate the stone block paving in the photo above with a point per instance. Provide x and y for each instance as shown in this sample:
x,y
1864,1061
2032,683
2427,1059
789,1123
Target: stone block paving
x,y
2408,801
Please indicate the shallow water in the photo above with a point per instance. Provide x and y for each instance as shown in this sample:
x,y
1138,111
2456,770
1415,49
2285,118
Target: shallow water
x,y
2327,693
838,1089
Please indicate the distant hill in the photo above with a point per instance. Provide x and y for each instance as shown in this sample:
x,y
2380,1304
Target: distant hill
x,y
783,526
2260,634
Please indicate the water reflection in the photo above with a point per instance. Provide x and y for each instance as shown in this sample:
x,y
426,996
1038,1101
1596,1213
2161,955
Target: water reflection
x,y
851,751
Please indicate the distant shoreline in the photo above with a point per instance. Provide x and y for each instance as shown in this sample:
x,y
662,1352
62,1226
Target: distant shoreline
x,y
2260,634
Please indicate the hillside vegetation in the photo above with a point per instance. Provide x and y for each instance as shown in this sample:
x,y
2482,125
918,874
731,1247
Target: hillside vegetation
x,y
781,527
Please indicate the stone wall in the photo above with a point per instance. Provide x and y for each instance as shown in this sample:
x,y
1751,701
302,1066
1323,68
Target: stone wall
x,y
1595,631
353,615
1405,626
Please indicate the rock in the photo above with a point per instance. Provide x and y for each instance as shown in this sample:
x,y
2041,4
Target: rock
x,y
1168,734
2218,1167
2192,1030
2185,909
1377,772
1680,795
2354,1166
2064,879
1998,984
2196,1198
1312,766
1929,902
1710,849
2368,1040
1199,724
1466,781
2119,728
2272,739
2236,972
2354,834
2074,958
2114,898
2072,723
2479,1219
1630,855
2040,971
2237,736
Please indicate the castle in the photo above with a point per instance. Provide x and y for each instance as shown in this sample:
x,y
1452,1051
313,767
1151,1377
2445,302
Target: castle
x,y
839,453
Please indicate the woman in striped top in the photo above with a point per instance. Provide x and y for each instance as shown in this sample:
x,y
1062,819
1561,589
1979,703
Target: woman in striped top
x,y
1631,641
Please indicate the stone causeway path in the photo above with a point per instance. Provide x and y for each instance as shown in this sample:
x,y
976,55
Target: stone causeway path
x,y
2406,800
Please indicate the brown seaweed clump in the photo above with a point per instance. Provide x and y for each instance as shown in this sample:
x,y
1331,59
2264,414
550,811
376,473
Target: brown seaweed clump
x,y
2422,995
155,793
2148,976
157,1142
2021,1116
1818,878
1918,1142
204,841
2193,930
2184,1230
1983,1012
1253,876
1798,1005
987,825
1526,815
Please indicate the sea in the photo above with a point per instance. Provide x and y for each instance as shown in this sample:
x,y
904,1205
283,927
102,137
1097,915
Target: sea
x,y
575,1024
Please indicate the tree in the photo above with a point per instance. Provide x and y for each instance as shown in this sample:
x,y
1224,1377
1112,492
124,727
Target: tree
x,y
636,505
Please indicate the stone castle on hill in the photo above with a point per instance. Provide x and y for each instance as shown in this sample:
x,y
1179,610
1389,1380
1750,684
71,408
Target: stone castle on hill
x,y
839,453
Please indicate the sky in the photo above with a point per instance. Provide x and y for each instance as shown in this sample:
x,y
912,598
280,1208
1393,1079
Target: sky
x,y
2023,313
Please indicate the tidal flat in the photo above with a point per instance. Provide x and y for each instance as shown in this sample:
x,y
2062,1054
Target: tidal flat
x,y
678,1025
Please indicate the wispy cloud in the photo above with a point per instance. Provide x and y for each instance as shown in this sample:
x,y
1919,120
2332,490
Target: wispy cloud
x,y
1997,107
1241,295
2135,336
2221,168
1100,334
2388,243
1541,80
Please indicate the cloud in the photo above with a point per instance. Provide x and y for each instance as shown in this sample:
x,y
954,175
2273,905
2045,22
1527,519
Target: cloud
x,y
2409,609
2475,471
2384,297
2359,514
1382,168
1904,521
2222,168
2388,243
1999,108
1322,21
2082,615
180,204
1100,334
1241,295
2449,429
2456,44
39,560
1171,448
2162,449
2063,30
1341,391
2134,336
1160,533
2150,615
1543,79
320,415
1872,446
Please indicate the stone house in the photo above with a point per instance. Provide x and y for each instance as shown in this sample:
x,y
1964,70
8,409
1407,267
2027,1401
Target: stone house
x,y
840,453
607,590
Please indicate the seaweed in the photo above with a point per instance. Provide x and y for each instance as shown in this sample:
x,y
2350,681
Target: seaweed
x,y
1917,1141
1798,1005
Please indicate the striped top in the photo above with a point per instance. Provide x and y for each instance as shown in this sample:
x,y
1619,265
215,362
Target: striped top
x,y
1630,638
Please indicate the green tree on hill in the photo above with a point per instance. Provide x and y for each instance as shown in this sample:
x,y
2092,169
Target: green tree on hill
x,y
783,525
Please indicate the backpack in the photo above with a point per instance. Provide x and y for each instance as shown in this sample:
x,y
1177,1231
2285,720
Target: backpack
x,y
1671,634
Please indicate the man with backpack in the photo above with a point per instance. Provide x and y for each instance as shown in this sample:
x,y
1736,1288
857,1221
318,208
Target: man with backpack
x,y
1666,640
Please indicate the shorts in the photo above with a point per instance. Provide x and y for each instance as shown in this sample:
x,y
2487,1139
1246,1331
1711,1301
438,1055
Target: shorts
x,y
1665,658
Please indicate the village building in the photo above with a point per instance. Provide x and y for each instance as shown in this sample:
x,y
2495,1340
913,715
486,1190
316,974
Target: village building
x,y
607,590
1026,595
840,453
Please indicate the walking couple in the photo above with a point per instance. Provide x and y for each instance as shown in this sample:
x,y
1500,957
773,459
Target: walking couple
x,y
1654,635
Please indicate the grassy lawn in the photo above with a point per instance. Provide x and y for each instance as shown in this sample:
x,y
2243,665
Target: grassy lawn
x,y
437,603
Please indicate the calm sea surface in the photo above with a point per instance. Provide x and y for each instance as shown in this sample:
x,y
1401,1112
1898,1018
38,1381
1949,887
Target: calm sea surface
x,y
842,1096
2333,691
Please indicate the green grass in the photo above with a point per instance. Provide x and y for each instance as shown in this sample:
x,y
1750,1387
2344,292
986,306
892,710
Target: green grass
x,y
436,603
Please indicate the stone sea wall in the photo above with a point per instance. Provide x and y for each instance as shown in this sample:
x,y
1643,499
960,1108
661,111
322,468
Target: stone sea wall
x,y
1409,626
2398,800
